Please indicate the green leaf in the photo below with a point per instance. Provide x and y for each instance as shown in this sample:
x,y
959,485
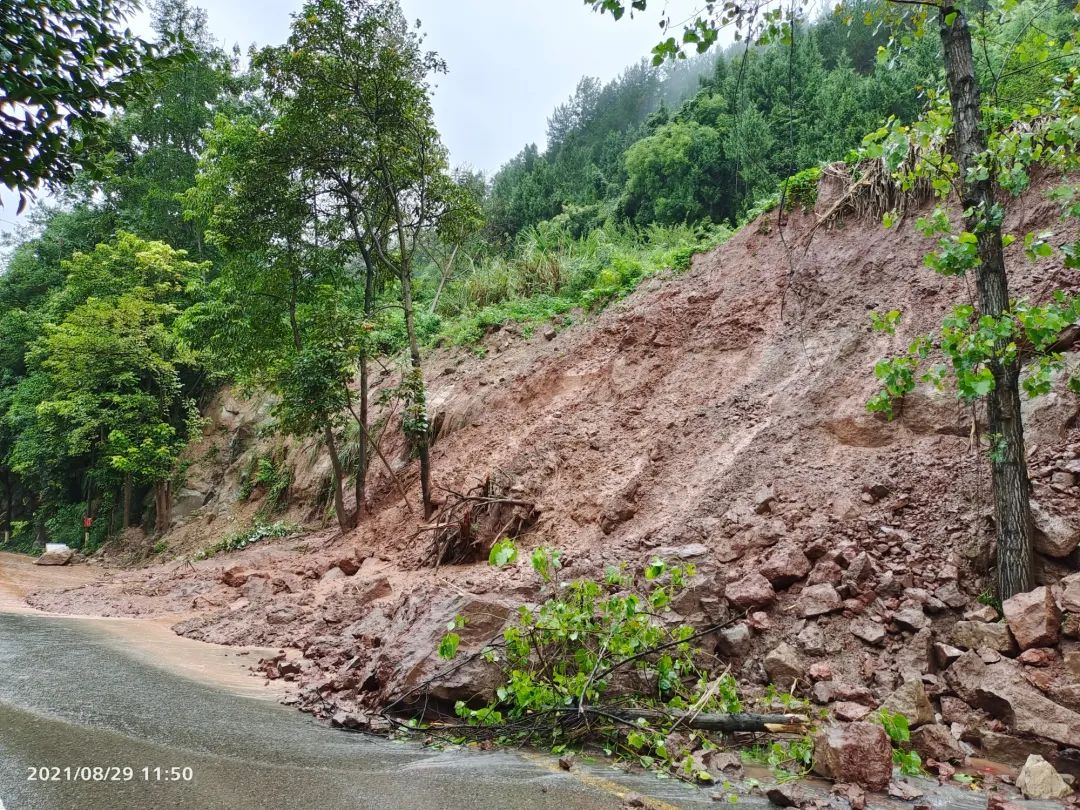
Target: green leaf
x,y
448,647
503,552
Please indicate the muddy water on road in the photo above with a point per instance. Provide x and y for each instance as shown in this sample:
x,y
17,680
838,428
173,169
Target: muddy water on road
x,y
69,698
150,641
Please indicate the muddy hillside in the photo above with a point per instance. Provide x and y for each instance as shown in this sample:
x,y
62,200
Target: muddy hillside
x,y
718,417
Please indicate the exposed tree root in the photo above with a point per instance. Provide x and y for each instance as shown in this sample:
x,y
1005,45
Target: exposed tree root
x,y
469,523
873,193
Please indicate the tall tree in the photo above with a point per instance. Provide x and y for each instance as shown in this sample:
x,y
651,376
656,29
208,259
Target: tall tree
x,y
156,140
102,393
983,217
352,84
282,313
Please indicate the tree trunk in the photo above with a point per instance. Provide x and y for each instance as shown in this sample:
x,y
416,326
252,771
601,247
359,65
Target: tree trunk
x,y
10,487
162,505
41,532
127,502
444,276
362,461
1012,510
423,439
343,518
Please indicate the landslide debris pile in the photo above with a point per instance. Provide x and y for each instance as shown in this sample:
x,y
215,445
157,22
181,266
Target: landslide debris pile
x,y
716,417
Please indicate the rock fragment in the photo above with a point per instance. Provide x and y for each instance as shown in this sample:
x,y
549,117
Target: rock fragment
x,y
970,635
910,700
1039,780
785,566
935,741
783,665
869,631
858,752
55,554
1033,618
753,590
1054,535
817,600
734,641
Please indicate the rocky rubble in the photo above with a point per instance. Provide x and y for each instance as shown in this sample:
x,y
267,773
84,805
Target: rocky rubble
x,y
844,554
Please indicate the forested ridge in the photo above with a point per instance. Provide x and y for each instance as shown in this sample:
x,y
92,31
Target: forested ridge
x,y
234,229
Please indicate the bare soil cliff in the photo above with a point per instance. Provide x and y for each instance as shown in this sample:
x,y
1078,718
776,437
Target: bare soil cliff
x,y
716,416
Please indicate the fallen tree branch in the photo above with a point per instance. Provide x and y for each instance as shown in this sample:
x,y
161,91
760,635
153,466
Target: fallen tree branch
x,y
744,721
630,717
469,523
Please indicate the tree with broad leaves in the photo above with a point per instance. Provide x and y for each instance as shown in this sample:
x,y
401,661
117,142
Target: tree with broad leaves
x,y
103,384
63,65
983,155
283,313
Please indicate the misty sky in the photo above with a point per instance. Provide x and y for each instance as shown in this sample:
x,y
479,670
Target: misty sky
x,y
510,62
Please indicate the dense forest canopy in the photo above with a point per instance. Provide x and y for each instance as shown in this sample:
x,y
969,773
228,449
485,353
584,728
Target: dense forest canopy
x,y
282,224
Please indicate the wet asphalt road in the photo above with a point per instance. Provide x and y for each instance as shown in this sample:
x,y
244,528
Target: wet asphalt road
x,y
73,694
69,698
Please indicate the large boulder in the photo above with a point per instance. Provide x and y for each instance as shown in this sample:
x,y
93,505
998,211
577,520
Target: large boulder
x,y
418,662
1033,618
1009,749
55,554
1001,689
186,502
857,753
1039,780
1054,535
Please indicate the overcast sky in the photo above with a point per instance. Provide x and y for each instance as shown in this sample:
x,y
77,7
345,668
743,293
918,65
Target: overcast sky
x,y
510,61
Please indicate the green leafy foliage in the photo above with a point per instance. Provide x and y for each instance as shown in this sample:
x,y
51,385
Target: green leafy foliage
x,y
788,759
584,643
65,525
504,552
885,322
61,66
271,474
897,728
243,539
801,189
706,138
553,273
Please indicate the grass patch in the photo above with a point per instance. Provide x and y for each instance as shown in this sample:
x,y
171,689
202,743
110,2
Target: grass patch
x,y
243,539
551,272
